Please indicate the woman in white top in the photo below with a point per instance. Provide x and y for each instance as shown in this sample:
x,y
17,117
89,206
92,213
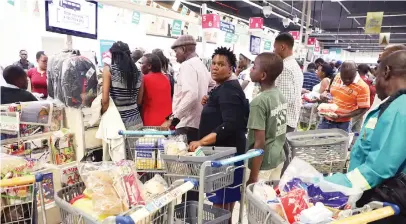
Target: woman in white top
x,y
326,74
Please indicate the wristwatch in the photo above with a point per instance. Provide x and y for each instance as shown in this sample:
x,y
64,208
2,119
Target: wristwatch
x,y
170,117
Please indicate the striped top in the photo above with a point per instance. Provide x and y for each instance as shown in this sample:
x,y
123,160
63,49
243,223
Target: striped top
x,y
349,98
125,101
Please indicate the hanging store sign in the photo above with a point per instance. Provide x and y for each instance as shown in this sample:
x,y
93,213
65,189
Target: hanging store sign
x,y
317,49
295,35
311,41
11,2
184,10
210,21
326,51
256,23
136,17
267,45
255,45
235,38
384,39
373,22
105,54
229,38
227,27
176,28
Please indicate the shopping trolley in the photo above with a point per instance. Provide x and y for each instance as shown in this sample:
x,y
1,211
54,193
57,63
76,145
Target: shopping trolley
x,y
259,212
325,150
160,210
19,199
214,171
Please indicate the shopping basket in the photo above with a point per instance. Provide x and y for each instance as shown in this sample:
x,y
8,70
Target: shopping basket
x,y
187,213
259,212
158,211
326,150
180,167
19,199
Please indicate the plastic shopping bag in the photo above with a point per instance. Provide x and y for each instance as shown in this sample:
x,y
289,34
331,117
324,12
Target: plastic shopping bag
x,y
320,189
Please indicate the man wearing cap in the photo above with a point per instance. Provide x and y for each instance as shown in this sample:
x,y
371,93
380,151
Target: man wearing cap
x,y
243,72
192,83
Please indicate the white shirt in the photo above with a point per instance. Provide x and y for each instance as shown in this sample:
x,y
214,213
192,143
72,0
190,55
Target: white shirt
x,y
251,90
290,83
192,83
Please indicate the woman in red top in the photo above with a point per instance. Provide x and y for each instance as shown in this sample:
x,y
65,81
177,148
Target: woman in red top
x,y
155,92
38,76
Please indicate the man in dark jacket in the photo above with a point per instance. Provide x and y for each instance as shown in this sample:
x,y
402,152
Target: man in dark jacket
x,y
15,88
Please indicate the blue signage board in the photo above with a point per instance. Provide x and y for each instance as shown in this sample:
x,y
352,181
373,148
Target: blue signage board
x,y
227,27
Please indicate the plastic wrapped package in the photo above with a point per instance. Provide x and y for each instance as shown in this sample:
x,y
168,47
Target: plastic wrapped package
x,y
79,82
54,75
113,187
154,187
13,166
145,153
264,191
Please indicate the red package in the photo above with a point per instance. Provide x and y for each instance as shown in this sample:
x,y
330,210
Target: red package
x,y
293,203
132,190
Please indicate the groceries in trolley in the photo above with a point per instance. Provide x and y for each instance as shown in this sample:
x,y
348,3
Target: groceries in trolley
x,y
301,196
113,188
72,79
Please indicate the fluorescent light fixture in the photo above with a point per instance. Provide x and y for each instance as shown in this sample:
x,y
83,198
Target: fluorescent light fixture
x,y
395,26
176,5
393,15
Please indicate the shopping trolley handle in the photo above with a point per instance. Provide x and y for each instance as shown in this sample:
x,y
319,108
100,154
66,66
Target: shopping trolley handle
x,y
24,180
250,154
142,133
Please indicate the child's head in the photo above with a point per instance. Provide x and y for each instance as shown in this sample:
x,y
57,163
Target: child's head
x,y
267,67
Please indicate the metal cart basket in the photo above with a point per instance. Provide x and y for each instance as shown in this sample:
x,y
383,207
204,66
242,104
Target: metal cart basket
x,y
259,212
189,215
179,167
309,118
325,150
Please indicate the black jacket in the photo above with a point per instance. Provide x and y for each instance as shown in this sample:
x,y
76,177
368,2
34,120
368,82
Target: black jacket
x,y
13,95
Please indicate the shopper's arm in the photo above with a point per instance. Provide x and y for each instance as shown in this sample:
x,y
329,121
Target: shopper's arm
x,y
106,89
257,161
190,87
141,93
387,155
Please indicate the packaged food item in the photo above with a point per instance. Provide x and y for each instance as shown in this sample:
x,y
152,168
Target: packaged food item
x,y
173,147
328,109
145,157
85,204
264,191
293,203
155,186
160,150
316,214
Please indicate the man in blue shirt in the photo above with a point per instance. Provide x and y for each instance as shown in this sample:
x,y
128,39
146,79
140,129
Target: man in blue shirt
x,y
378,158
310,78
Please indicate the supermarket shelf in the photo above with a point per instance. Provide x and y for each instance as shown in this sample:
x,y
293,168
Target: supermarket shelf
x,y
26,138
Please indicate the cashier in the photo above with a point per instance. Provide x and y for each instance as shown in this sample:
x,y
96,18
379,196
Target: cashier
x,y
378,158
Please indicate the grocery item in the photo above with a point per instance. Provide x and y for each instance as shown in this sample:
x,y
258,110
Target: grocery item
x,y
293,203
173,147
85,204
62,146
145,153
264,191
154,187
327,109
316,214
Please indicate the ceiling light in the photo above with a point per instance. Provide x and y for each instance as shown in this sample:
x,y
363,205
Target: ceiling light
x,y
336,41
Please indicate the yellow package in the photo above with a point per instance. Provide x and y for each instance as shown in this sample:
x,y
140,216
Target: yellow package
x,y
145,159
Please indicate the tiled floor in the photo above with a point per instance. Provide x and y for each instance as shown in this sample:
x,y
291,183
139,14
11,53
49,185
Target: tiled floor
x,y
236,213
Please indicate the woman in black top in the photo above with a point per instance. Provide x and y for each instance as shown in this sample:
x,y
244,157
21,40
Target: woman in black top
x,y
224,119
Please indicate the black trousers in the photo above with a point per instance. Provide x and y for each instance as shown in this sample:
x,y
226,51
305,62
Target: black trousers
x,y
393,191
287,151
192,134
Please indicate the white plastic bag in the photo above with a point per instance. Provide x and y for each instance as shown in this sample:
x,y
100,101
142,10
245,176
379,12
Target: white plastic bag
x,y
299,168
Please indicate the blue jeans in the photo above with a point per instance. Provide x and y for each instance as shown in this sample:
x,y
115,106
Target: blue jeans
x,y
326,124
